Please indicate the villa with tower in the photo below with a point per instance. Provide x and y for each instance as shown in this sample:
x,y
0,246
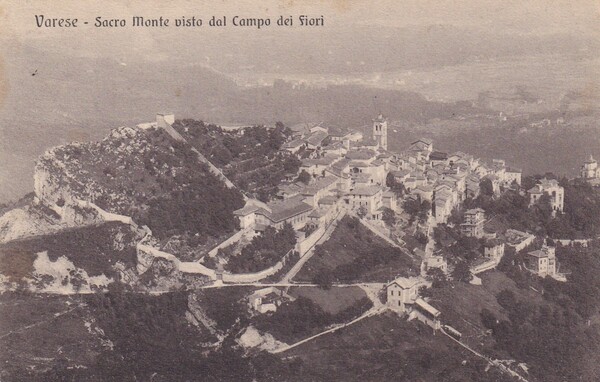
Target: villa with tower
x,y
590,172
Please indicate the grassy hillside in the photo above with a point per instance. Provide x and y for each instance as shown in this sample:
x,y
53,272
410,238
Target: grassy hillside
x,y
387,347
352,254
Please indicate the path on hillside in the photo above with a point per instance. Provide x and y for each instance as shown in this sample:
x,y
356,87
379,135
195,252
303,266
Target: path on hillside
x,y
369,313
376,231
27,327
212,168
372,292
490,361
371,286
430,246
326,235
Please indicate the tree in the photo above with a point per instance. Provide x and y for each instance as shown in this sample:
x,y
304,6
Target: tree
x,y
324,279
438,277
304,177
507,299
362,212
488,319
291,164
390,180
486,187
395,186
424,209
389,217
462,272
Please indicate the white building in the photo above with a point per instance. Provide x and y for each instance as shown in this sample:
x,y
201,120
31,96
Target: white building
x,y
473,223
542,261
404,291
369,197
434,262
590,171
493,249
268,299
513,175
551,188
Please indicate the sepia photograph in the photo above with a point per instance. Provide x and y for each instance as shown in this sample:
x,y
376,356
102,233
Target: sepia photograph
x,y
300,190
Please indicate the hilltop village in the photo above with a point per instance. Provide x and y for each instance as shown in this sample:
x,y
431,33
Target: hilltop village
x,y
267,239
359,175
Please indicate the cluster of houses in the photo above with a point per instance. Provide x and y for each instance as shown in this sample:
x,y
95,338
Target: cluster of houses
x,y
350,171
446,180
345,171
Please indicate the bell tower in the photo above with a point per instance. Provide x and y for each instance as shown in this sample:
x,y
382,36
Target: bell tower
x,y
380,126
588,171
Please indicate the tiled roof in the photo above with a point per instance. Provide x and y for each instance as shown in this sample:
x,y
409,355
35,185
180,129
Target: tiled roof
x,y
301,127
316,138
246,210
324,161
426,307
438,155
288,208
319,184
427,141
366,190
406,283
317,213
358,164
293,144
537,253
360,154
328,200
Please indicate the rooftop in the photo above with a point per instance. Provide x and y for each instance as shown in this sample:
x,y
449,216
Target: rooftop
x,y
301,127
426,141
406,283
316,138
319,184
246,210
537,253
293,144
366,190
544,184
438,155
282,210
328,200
360,154
422,304
324,161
